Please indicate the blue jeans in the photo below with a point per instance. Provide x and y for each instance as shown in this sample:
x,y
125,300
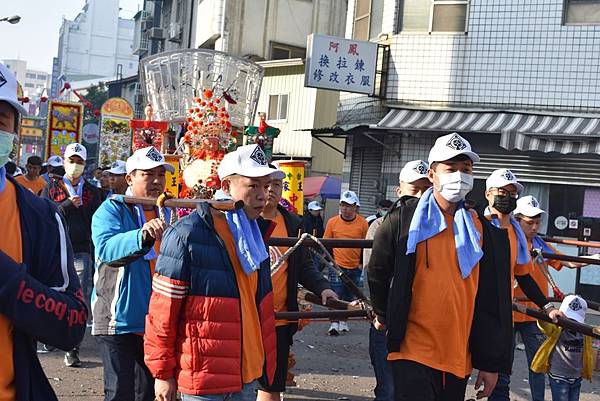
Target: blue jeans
x,y
248,393
532,339
84,269
338,286
384,386
126,377
564,391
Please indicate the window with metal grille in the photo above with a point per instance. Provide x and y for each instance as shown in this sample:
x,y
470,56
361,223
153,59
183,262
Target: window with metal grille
x,y
278,107
434,16
280,51
581,12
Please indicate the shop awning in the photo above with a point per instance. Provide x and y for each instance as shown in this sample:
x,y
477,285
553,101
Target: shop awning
x,y
522,131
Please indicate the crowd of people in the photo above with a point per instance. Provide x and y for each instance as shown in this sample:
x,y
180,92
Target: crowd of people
x,y
190,308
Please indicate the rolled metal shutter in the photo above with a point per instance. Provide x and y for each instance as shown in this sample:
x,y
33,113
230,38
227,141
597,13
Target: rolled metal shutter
x,y
366,177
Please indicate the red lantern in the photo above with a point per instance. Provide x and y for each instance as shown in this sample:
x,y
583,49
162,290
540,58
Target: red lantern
x,y
67,85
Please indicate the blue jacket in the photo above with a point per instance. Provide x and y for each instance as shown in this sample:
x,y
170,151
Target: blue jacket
x,y
41,297
122,282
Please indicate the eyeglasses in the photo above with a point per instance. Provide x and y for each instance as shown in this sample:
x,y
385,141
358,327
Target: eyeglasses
x,y
504,192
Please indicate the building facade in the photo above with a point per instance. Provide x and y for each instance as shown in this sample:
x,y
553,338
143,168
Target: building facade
x,y
35,83
96,44
518,79
293,108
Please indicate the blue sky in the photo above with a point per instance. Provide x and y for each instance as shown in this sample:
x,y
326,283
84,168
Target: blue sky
x,y
35,38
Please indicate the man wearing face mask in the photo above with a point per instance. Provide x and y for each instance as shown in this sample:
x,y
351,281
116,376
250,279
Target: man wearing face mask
x,y
413,183
40,294
383,206
502,192
77,200
440,285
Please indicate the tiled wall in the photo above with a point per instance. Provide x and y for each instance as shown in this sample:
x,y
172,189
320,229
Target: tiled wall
x,y
517,54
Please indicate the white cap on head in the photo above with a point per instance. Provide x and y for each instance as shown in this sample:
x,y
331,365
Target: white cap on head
x,y
248,161
147,159
314,205
449,146
55,161
501,178
528,206
76,149
118,167
350,197
414,171
9,89
574,307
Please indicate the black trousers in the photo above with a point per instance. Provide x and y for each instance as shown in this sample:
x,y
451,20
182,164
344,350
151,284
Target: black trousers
x,y
126,377
416,382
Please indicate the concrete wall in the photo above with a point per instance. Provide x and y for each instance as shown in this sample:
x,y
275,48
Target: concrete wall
x,y
251,25
516,55
96,41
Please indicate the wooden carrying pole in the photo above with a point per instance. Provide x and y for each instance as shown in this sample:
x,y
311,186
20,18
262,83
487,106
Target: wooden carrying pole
x,y
184,203
588,244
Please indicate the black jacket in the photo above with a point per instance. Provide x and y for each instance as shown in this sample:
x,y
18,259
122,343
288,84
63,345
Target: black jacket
x,y
313,225
79,219
391,274
300,267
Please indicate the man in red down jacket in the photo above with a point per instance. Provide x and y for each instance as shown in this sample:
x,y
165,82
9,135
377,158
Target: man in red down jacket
x,y
210,328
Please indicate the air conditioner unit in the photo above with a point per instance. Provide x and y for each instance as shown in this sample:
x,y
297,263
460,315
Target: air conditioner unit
x,y
146,24
157,33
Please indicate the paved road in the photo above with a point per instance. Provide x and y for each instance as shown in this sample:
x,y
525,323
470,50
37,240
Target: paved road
x,y
328,369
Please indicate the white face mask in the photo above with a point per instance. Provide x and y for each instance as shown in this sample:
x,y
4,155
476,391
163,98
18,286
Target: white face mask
x,y
74,170
455,186
6,146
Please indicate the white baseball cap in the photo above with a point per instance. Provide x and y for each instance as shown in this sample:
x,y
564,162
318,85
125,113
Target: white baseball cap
x,y
350,197
9,89
118,167
413,171
314,205
448,146
247,161
147,159
55,161
528,206
574,307
75,149
501,178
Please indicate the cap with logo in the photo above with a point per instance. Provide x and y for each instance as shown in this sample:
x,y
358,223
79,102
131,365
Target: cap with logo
x,y
55,161
147,159
75,149
528,206
350,197
314,205
449,146
248,161
118,167
414,171
501,178
9,89
574,307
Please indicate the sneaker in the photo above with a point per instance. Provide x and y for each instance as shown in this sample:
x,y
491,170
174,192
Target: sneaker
x,y
72,359
344,327
334,329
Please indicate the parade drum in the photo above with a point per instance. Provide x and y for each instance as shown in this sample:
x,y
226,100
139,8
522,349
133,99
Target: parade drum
x,y
172,80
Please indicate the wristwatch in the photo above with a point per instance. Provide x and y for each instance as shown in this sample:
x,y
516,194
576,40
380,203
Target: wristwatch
x,y
548,307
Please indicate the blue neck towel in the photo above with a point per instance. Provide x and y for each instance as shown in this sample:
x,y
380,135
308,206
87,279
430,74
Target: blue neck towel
x,y
249,242
428,221
523,256
539,243
2,178
73,191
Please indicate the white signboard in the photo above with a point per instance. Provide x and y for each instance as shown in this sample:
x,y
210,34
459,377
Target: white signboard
x,y
340,64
